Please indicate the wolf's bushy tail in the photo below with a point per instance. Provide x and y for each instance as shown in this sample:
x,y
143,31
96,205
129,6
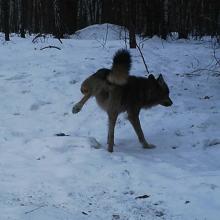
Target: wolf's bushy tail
x,y
120,67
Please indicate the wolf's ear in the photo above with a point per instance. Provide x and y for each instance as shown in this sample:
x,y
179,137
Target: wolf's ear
x,y
151,76
160,80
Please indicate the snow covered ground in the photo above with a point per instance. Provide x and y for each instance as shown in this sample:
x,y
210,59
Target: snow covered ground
x,y
47,177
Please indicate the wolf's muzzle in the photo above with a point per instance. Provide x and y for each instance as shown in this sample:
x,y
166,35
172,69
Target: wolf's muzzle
x,y
168,102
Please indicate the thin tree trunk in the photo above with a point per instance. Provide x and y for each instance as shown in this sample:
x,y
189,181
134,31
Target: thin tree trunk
x,y
58,20
164,28
23,17
132,21
6,18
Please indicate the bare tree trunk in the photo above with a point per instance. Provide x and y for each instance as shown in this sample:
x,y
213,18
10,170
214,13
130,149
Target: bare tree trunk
x,y
164,28
58,22
183,32
132,21
68,15
23,18
5,6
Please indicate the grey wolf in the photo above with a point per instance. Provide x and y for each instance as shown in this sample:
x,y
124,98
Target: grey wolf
x,y
116,91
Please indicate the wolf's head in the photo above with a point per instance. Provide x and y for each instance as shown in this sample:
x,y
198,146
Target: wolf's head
x,y
162,93
165,99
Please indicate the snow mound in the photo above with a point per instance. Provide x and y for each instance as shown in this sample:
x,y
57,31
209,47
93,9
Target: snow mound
x,y
101,32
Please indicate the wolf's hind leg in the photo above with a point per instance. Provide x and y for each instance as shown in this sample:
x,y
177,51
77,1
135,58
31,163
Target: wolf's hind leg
x,y
112,117
135,122
78,106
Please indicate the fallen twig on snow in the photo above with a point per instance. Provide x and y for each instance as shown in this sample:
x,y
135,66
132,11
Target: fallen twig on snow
x,y
190,74
142,197
58,48
34,209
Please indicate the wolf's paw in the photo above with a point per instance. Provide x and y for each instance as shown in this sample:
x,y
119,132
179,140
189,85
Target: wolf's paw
x,y
76,108
148,146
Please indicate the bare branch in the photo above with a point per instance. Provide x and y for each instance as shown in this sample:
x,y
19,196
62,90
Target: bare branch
x,y
59,40
55,47
198,71
217,60
106,35
33,210
142,56
103,43
38,36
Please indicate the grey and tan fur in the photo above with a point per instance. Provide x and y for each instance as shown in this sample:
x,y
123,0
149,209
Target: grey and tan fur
x,y
116,91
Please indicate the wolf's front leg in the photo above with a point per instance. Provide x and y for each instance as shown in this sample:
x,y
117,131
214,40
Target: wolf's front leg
x,y
135,122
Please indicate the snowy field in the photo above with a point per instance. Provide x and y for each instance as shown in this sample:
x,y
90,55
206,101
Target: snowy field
x,y
48,177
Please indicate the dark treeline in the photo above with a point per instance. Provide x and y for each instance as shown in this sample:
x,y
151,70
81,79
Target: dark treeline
x,y
146,17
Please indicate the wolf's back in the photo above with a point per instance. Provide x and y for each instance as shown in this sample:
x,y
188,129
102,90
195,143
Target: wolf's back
x,y
120,67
